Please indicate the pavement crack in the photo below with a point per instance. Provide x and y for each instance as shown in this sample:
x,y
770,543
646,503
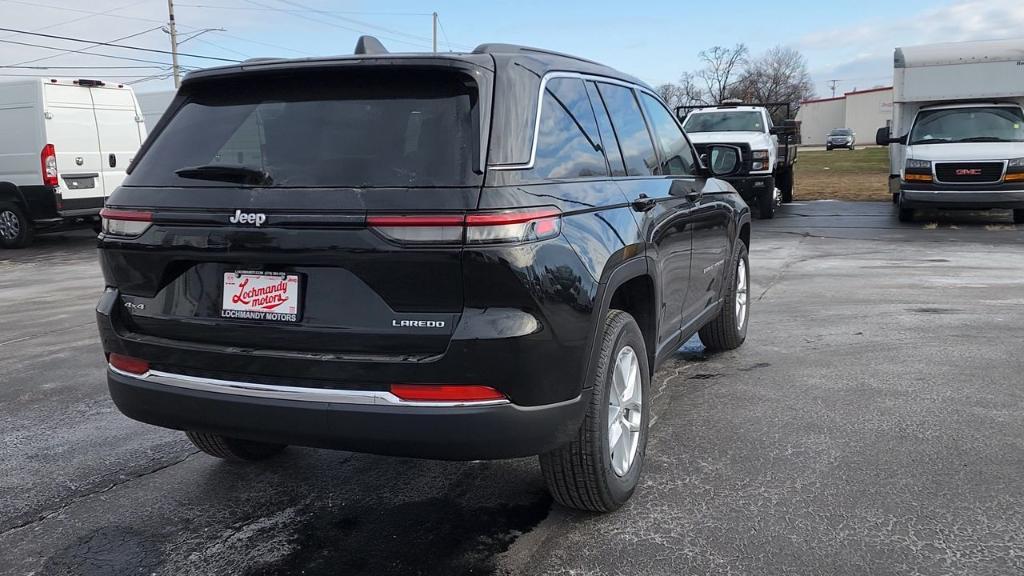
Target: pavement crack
x,y
76,499
782,269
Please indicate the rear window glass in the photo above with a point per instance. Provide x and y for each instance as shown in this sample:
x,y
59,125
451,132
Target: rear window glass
x,y
324,130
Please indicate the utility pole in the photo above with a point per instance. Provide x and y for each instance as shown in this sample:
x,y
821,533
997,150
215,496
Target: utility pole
x,y
174,44
435,31
833,83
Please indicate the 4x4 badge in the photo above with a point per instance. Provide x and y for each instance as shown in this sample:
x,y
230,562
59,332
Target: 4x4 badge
x,y
257,218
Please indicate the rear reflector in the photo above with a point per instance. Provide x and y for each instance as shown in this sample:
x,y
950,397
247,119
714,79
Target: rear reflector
x,y
445,393
129,364
523,225
126,223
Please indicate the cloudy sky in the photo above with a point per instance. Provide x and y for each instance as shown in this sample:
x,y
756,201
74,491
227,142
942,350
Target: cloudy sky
x,y
850,41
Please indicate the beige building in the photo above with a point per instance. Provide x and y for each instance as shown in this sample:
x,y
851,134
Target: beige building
x,y
865,111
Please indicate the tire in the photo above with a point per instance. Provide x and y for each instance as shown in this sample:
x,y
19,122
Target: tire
x,y
786,184
828,148
233,448
728,329
1018,216
766,204
16,230
905,214
583,473
895,199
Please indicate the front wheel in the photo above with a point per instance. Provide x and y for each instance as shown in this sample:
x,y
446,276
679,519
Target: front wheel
x,y
1018,216
16,229
728,329
600,469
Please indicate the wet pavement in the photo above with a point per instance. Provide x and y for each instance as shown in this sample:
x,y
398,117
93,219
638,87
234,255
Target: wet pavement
x,y
873,423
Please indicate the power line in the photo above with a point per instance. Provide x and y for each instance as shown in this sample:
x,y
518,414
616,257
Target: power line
x,y
14,66
272,9
303,16
113,45
128,58
80,50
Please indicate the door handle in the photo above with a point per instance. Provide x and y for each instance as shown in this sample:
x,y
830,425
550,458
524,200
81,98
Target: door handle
x,y
643,203
112,160
694,195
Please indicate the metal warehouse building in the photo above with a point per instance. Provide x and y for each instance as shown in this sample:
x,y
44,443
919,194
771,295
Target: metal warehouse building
x,y
865,111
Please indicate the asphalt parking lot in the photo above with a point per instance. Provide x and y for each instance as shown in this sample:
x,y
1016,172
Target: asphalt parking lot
x,y
873,423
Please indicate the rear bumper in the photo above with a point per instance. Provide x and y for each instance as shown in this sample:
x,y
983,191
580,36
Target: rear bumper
x,y
967,199
352,420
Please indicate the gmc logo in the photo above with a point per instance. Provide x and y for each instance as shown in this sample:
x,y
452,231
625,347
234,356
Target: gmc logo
x,y
968,172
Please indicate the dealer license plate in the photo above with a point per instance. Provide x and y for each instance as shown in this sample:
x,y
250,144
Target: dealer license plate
x,y
261,296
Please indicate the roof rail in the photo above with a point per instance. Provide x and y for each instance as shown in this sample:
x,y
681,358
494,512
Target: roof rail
x,y
259,59
369,45
497,48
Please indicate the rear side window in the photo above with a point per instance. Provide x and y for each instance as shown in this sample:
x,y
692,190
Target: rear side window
x,y
604,124
634,140
365,129
676,157
568,143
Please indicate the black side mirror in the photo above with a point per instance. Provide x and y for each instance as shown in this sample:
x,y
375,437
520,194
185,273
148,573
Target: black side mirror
x,y
883,137
723,160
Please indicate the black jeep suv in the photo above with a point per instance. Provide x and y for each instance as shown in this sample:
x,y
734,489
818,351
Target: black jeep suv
x,y
454,256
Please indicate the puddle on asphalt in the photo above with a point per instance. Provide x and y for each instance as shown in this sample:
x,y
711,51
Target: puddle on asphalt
x,y
437,536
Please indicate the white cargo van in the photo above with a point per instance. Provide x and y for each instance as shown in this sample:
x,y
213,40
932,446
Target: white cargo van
x,y
957,133
64,147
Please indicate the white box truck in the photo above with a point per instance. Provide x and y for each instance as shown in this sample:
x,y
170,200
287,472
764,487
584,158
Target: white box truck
x,y
957,133
64,147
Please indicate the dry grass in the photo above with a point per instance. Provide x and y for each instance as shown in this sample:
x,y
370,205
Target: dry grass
x,y
843,175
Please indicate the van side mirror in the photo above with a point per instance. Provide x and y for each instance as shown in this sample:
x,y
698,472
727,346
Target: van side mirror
x,y
882,137
723,160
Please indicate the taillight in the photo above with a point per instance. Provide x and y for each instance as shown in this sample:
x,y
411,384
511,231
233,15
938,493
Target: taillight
x,y
419,229
128,364
126,223
513,226
445,393
48,161
524,225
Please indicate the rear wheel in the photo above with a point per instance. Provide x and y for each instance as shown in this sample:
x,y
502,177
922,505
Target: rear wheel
x,y
1018,216
599,469
766,204
15,228
728,329
785,181
233,448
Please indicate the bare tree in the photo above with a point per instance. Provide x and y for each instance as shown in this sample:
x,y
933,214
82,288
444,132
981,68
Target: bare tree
x,y
671,94
779,75
721,70
690,93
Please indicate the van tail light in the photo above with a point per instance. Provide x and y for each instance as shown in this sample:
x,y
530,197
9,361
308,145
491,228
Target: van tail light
x,y
511,226
445,393
128,364
126,223
48,161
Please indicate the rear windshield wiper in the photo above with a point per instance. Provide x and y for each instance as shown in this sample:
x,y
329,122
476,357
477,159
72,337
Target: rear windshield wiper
x,y
245,175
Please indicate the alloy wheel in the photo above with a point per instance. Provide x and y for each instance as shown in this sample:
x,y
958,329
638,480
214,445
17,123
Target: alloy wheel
x,y
625,411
